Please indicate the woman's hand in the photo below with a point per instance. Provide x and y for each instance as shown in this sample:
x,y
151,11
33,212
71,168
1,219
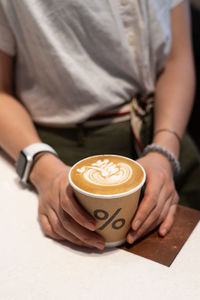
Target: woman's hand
x,y
159,204
60,216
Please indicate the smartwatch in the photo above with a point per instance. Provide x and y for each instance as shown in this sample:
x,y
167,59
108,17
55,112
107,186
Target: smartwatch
x,y
26,156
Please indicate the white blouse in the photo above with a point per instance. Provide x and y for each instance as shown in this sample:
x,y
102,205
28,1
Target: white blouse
x,y
77,58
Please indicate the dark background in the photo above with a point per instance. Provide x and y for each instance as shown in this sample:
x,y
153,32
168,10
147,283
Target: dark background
x,y
194,123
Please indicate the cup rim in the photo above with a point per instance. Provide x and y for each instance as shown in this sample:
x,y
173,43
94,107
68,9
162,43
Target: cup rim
x,y
107,195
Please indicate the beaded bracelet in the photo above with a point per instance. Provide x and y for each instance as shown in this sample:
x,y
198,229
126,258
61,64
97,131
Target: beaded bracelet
x,y
168,154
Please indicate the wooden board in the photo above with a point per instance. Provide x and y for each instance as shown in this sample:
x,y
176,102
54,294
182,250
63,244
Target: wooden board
x,y
164,250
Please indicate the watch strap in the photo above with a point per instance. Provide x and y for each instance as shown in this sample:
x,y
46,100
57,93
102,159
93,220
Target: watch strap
x,y
30,152
36,148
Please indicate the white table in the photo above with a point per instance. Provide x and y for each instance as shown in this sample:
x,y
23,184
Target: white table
x,y
33,267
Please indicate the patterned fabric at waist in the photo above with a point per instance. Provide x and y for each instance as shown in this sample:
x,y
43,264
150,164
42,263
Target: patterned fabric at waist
x,y
119,114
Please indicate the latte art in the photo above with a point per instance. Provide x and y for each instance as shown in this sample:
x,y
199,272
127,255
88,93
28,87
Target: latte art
x,y
106,173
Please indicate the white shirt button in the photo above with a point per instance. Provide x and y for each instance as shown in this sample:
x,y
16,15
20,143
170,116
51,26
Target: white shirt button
x,y
131,39
123,2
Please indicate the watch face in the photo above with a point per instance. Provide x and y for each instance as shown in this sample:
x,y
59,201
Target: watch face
x,y
21,164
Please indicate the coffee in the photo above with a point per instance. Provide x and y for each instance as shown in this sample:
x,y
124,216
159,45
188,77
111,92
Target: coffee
x,y
108,187
107,174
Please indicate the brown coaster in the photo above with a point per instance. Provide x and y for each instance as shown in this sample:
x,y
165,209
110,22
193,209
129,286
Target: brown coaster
x,y
164,250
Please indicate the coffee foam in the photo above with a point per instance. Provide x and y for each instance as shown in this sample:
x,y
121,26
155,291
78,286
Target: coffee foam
x,y
107,174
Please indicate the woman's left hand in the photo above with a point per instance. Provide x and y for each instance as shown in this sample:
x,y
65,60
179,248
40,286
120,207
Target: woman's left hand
x,y
159,204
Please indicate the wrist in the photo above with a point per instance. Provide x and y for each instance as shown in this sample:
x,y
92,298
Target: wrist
x,y
168,141
45,168
160,160
166,153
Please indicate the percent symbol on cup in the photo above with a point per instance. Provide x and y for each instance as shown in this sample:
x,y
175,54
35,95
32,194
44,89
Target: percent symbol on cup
x,y
101,214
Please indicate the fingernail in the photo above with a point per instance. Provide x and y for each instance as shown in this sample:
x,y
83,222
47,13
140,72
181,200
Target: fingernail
x,y
163,231
91,225
131,238
99,245
136,225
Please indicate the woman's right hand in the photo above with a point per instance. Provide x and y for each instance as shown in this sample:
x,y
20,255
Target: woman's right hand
x,y
60,215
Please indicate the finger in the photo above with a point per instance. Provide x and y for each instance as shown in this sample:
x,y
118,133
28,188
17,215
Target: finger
x,y
47,228
48,231
152,221
86,236
169,220
162,216
167,196
60,231
72,231
71,206
148,203
159,220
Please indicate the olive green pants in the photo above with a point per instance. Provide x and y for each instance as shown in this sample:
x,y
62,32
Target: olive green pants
x,y
73,144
